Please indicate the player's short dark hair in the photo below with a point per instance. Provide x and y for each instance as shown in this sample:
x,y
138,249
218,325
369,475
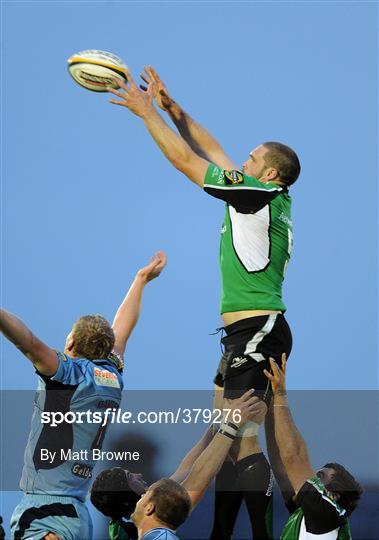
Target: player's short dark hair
x,y
172,502
348,489
284,160
93,337
111,494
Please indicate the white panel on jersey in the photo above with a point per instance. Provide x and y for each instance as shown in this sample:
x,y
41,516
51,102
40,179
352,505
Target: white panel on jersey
x,y
305,535
251,239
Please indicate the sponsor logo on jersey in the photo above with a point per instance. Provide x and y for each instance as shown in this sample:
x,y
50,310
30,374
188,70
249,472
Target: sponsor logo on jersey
x,y
223,229
233,177
105,378
216,172
82,470
285,219
238,361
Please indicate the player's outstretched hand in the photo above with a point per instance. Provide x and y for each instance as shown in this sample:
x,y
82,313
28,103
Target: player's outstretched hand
x,y
278,375
153,270
157,87
247,407
133,98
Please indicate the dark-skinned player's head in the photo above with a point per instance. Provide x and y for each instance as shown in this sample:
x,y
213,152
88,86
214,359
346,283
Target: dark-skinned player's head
x,y
115,492
341,485
91,337
166,502
273,162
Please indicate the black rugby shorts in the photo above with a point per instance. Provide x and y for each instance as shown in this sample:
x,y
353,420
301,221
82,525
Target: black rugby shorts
x,y
248,345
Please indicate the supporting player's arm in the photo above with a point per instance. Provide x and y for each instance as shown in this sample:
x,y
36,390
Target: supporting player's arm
x,y
128,313
189,459
44,358
211,459
199,139
176,150
292,447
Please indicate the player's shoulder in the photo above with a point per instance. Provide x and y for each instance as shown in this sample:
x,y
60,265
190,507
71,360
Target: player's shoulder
x,y
320,508
160,534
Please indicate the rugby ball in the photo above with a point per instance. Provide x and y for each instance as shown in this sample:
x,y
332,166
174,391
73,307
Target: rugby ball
x,y
95,70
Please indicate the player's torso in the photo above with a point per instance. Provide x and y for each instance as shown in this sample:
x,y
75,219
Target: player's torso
x,y
254,252
59,460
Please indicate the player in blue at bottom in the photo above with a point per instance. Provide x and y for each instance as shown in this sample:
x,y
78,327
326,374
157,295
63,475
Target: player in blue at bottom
x,y
87,376
158,510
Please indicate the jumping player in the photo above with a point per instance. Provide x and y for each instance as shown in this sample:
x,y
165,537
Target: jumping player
x,y
256,245
86,376
321,501
166,504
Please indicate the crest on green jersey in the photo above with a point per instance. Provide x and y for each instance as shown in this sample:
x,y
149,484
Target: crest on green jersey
x,y
233,177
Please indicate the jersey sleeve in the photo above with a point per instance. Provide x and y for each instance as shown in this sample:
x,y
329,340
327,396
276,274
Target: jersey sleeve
x,y
238,189
321,513
69,371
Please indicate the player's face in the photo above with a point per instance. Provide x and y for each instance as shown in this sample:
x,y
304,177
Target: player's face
x,y
255,166
139,511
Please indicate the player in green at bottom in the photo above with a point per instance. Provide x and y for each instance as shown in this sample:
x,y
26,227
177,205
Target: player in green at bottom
x,y
322,500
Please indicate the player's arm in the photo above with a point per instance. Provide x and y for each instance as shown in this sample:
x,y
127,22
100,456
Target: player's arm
x,y
211,459
199,139
292,447
128,313
44,358
187,462
176,150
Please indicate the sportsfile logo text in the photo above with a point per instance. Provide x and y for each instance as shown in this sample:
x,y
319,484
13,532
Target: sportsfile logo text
x,y
116,416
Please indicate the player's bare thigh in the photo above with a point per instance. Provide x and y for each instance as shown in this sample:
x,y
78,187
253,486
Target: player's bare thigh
x,y
244,446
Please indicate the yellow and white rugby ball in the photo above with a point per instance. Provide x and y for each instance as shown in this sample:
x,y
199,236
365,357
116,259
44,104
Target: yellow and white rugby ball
x,y
96,70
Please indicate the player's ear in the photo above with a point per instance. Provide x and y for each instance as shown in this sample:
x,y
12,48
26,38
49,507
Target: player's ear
x,y
149,509
271,174
70,344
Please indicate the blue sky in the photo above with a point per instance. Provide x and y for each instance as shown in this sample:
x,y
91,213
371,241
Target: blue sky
x,y
87,198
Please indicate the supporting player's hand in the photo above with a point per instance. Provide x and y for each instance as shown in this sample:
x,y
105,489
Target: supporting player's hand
x,y
247,407
137,101
153,270
51,536
157,87
278,375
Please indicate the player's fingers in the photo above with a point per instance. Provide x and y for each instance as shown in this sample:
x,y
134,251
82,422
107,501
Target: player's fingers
x,y
120,82
247,395
115,102
162,256
274,367
155,74
252,402
130,78
145,79
269,375
284,362
117,92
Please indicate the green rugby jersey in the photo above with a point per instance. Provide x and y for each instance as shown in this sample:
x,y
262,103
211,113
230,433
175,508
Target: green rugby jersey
x,y
318,516
256,240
